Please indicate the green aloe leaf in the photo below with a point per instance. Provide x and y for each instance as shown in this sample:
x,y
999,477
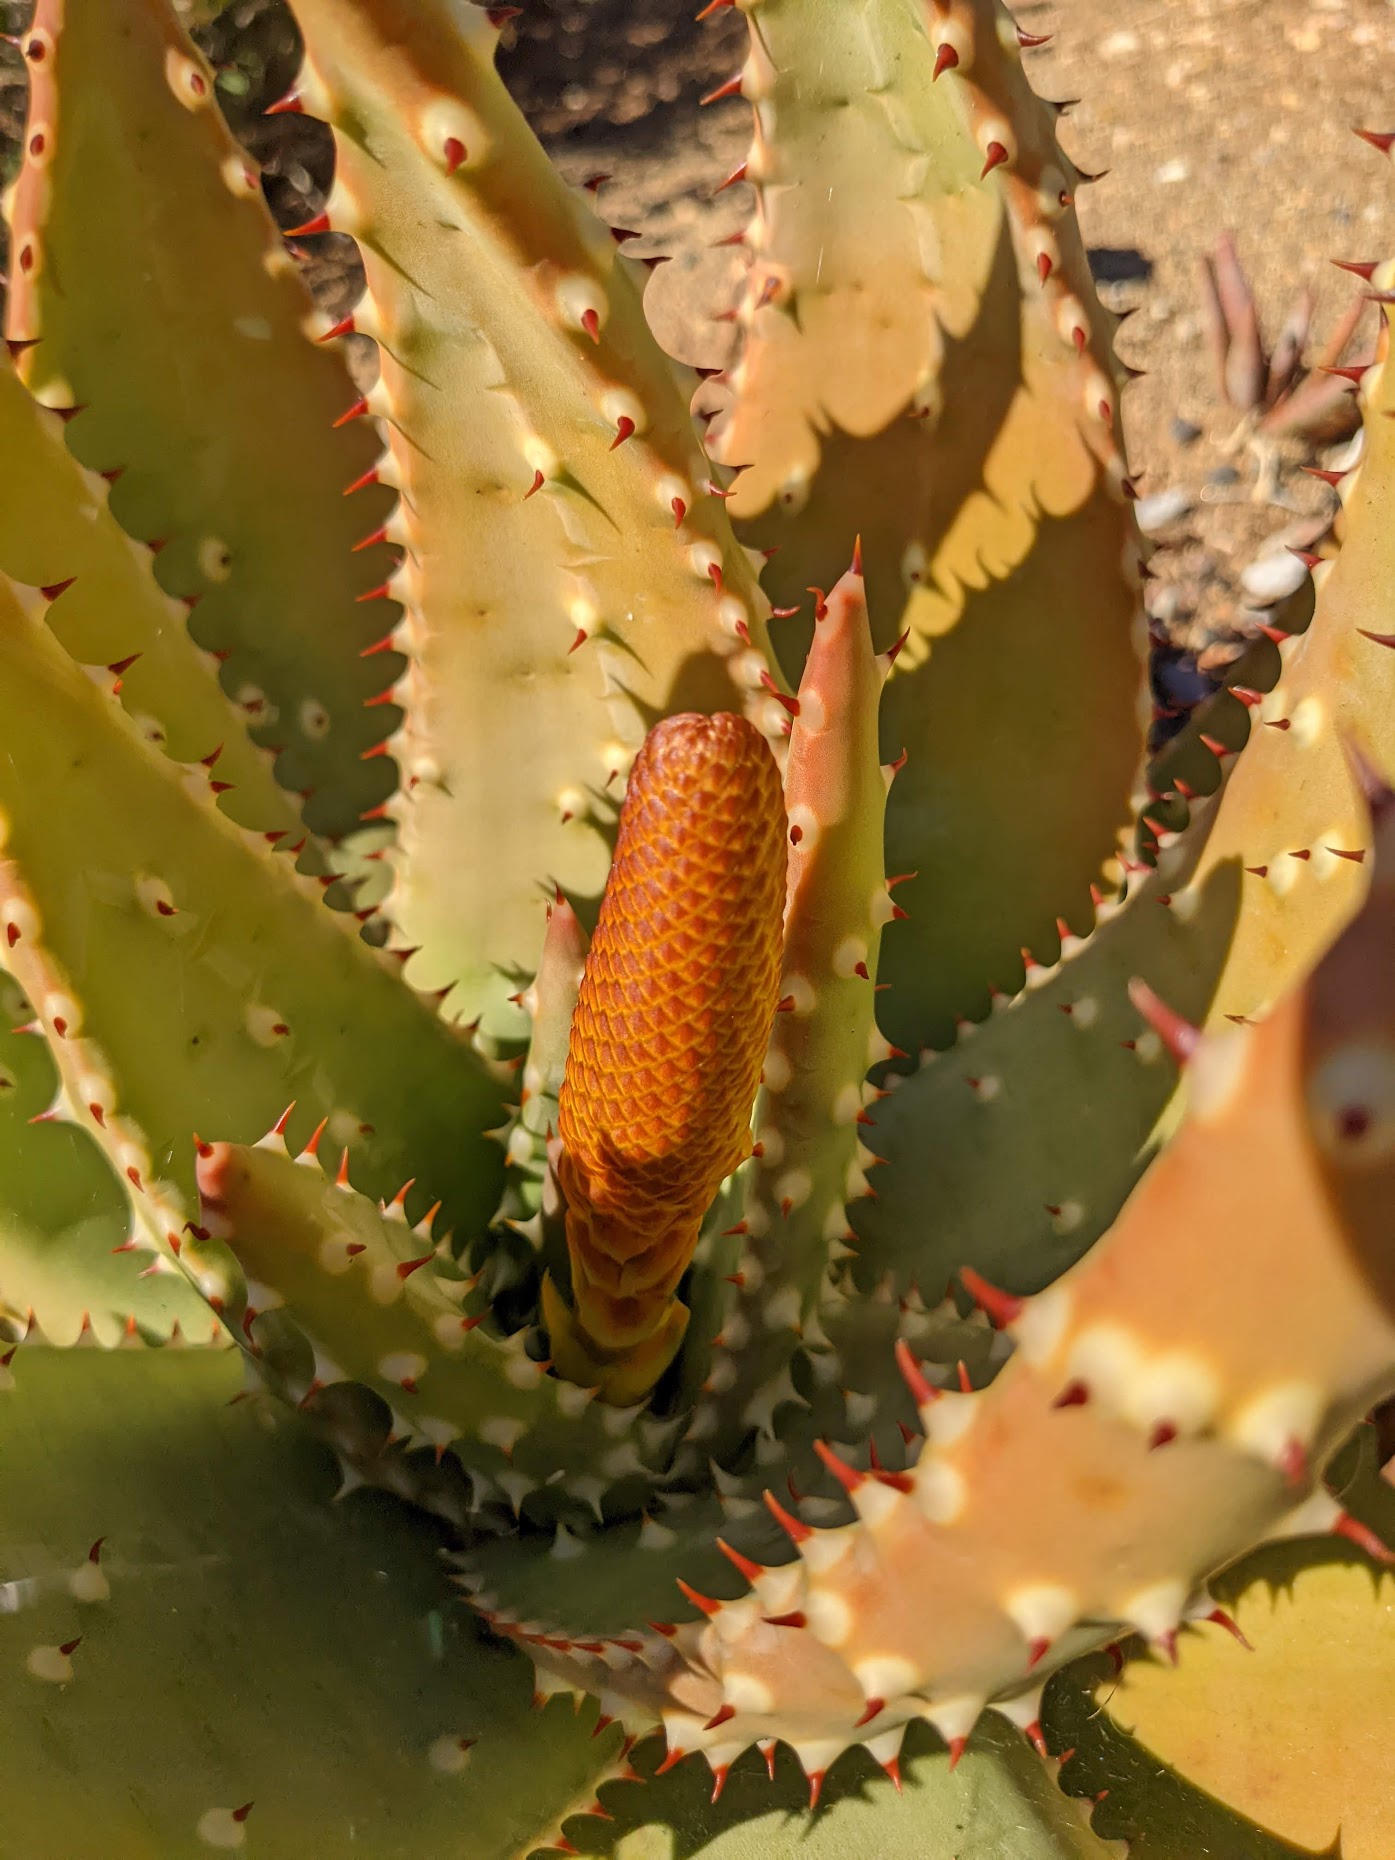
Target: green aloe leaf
x,y
241,1639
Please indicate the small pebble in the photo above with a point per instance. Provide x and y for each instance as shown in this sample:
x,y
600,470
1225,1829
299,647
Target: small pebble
x,y
1273,577
1163,508
1163,601
1223,474
1184,432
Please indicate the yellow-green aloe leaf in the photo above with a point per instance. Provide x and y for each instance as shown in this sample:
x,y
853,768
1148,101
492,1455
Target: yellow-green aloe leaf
x,y
171,315
70,1265
190,980
569,577
1290,1733
1293,818
924,361
1043,1115
58,536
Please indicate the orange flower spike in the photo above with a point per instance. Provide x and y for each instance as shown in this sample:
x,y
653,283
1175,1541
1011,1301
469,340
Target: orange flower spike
x,y
674,1017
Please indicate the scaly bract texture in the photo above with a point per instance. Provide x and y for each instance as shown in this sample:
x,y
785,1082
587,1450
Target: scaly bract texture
x,y
672,1020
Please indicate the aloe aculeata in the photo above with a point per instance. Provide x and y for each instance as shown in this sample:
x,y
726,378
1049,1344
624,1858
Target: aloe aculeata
x,y
671,1082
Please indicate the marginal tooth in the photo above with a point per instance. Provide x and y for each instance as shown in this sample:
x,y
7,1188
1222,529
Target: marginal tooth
x,y
1156,1611
1276,1423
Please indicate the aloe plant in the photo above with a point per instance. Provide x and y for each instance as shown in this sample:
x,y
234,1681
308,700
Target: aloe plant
x,y
579,1120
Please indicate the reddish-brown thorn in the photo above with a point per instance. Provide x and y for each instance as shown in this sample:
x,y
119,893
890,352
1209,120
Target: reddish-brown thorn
x,y
1292,1461
1350,371
319,224
1044,268
704,1602
591,323
1030,40
873,1709
922,1390
1000,1307
1377,639
360,484
675,1756
797,1530
957,1747
1333,478
406,1267
453,148
994,158
1163,1435
1231,1626
738,173
356,412
1363,1537
367,542
946,58
847,1476
624,429
1361,268
966,1381
289,105
723,1715
1382,139
1178,1035
750,1570
732,88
